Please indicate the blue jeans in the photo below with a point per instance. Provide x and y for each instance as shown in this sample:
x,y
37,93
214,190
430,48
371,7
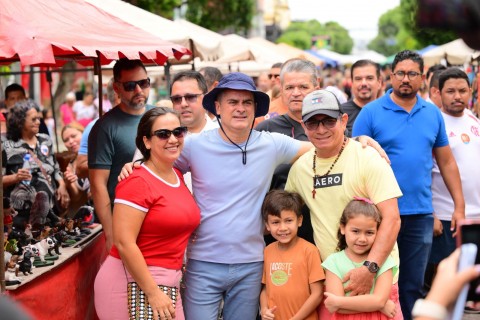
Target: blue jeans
x,y
443,245
414,244
207,283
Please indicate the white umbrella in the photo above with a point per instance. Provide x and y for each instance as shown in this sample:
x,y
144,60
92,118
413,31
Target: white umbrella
x,y
455,52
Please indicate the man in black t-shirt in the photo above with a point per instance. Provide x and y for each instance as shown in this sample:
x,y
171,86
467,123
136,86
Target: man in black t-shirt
x,y
366,83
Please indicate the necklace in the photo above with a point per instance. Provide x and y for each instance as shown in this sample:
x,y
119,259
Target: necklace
x,y
315,175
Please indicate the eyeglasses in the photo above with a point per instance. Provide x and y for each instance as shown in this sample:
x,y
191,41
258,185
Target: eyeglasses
x,y
270,76
189,97
399,75
164,134
131,85
328,123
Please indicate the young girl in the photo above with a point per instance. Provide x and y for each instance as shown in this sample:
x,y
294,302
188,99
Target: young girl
x,y
358,228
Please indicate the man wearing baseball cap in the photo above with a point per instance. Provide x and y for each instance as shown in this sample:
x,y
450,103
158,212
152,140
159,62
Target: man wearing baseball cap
x,y
335,171
231,168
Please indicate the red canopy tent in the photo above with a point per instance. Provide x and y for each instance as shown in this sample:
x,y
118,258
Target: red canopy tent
x,y
52,32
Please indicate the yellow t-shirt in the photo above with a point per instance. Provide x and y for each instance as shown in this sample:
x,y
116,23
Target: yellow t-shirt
x,y
358,172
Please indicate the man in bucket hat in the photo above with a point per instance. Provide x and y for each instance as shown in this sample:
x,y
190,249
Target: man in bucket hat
x,y
231,168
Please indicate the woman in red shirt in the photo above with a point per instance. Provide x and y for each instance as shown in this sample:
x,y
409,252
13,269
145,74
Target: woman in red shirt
x,y
153,218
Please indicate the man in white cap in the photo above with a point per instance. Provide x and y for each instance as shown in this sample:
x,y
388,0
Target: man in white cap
x,y
335,171
232,168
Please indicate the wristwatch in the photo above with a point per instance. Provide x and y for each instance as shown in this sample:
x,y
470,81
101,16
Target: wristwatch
x,y
430,309
371,266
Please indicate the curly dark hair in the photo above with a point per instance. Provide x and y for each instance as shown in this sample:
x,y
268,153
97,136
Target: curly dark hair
x,y
16,118
408,55
145,127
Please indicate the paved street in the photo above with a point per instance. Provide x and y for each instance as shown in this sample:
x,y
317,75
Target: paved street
x,y
467,316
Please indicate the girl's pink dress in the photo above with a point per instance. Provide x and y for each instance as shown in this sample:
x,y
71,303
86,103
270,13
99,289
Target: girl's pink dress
x,y
376,315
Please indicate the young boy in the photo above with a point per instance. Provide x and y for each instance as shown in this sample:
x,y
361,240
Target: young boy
x,y
292,272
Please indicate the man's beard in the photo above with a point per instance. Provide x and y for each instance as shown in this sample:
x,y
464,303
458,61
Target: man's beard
x,y
135,105
406,93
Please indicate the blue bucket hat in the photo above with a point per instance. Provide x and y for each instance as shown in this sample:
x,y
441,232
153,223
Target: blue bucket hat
x,y
238,81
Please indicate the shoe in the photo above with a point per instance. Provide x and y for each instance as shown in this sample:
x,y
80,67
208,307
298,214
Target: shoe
x,y
470,310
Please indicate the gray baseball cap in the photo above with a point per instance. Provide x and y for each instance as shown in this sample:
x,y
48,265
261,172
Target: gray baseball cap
x,y
320,102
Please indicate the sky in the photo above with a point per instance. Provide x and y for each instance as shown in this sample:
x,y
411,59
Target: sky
x,y
359,17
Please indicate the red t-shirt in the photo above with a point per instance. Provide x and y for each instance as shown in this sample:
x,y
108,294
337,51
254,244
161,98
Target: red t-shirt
x,y
171,215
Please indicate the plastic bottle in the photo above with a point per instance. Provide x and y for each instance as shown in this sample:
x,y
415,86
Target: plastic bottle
x,y
27,165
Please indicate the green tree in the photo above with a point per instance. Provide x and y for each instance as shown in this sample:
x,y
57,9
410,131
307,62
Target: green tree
x,y
301,33
340,40
222,14
312,27
299,39
393,34
389,27
398,30
216,15
423,36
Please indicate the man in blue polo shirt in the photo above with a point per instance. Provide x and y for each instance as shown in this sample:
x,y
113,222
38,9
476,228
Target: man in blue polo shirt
x,y
410,129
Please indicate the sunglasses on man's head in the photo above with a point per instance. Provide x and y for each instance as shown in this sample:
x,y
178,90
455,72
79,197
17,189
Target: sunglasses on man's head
x,y
131,85
189,97
164,134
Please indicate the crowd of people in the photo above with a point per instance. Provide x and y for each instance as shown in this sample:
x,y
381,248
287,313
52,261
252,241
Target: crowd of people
x,y
305,196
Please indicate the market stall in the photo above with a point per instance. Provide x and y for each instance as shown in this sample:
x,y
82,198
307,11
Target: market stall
x,y
69,30
65,289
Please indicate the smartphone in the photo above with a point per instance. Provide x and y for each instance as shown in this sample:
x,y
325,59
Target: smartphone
x,y
469,232
467,259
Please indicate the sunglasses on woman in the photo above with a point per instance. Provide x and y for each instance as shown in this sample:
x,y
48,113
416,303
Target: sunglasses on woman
x,y
164,134
131,85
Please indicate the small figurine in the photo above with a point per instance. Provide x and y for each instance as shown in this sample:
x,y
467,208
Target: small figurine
x,y
70,226
11,271
43,246
56,246
28,231
25,265
8,214
72,231
12,246
80,228
21,239
33,250
45,233
86,215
